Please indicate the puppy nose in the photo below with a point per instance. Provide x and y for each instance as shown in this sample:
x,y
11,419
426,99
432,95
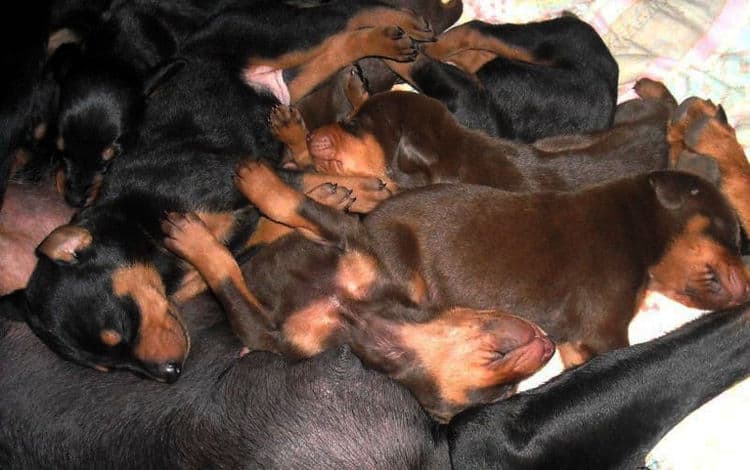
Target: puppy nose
x,y
170,371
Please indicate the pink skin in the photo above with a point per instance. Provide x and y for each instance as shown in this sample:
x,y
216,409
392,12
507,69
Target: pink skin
x,y
29,213
265,78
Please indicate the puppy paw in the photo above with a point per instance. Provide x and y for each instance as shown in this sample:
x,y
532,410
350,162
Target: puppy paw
x,y
367,192
333,195
417,27
393,43
187,236
287,124
355,86
256,180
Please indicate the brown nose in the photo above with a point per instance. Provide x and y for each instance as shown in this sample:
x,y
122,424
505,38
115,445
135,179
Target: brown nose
x,y
320,144
514,332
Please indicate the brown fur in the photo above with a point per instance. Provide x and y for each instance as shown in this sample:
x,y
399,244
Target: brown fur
x,y
575,263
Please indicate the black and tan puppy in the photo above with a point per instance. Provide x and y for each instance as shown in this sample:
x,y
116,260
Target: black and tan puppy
x,y
575,263
301,297
520,81
411,140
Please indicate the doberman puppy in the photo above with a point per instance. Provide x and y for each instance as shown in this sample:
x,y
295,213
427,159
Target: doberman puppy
x,y
108,268
610,412
227,411
303,297
520,81
104,77
260,410
575,263
411,140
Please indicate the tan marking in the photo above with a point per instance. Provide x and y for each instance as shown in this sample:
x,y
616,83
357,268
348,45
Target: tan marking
x,y
459,350
60,181
697,224
162,337
289,128
277,201
451,45
362,37
471,61
192,284
350,155
268,231
683,272
308,329
60,144
101,368
573,355
356,273
220,224
65,242
418,289
110,337
96,186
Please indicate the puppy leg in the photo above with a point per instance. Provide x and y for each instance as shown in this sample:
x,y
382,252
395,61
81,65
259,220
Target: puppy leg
x,y
188,237
288,126
279,202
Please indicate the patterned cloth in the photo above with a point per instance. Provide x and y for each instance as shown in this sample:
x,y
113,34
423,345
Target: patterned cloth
x,y
697,48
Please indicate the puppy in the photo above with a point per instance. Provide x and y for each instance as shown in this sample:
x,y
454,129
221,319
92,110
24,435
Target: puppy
x,y
575,263
305,297
411,140
520,81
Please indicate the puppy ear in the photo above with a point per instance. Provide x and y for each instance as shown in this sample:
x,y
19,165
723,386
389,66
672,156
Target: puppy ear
x,y
668,193
414,156
64,244
161,74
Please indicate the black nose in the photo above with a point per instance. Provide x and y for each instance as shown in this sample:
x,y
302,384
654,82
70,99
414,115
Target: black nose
x,y
170,371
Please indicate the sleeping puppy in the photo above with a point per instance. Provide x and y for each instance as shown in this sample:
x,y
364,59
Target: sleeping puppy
x,y
410,140
520,81
575,263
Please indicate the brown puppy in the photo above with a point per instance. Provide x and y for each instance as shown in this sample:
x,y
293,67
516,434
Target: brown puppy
x,y
575,263
304,297
410,140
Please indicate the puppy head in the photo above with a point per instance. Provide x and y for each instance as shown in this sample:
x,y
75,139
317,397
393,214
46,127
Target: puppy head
x,y
701,266
95,299
392,134
98,108
458,359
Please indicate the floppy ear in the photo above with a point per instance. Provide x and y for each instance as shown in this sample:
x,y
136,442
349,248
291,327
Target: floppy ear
x,y
161,74
414,156
701,165
13,305
64,243
668,193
